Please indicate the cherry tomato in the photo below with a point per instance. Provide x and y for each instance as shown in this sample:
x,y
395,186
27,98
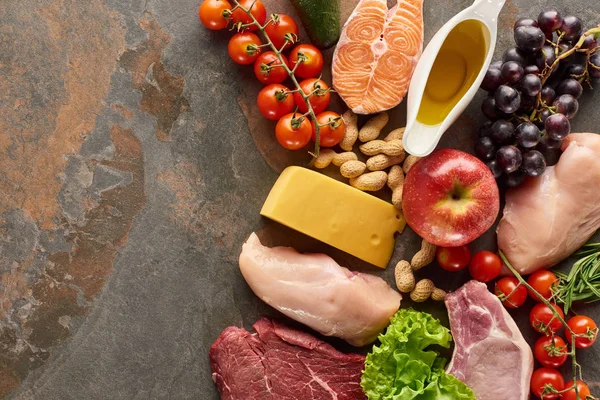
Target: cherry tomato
x,y
550,351
268,69
211,14
544,377
582,389
293,131
510,292
274,101
281,28
543,320
485,266
542,281
258,11
332,133
453,258
312,63
585,330
319,99
244,48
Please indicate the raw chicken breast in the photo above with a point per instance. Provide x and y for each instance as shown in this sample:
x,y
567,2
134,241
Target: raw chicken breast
x,y
315,290
550,217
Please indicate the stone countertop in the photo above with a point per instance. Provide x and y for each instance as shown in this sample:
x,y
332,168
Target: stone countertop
x,y
133,165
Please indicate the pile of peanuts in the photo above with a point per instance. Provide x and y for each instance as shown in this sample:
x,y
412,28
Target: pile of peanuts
x,y
383,154
405,279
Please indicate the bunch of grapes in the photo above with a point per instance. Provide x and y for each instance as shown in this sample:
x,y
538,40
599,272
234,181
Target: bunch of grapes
x,y
533,93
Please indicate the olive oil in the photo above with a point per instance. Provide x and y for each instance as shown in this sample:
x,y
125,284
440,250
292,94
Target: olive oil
x,y
456,67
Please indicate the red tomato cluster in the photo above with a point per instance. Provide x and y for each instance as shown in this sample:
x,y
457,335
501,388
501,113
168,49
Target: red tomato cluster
x,y
276,101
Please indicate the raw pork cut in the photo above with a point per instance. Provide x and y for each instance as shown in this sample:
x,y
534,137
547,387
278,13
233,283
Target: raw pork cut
x,y
315,290
548,218
377,54
282,363
490,354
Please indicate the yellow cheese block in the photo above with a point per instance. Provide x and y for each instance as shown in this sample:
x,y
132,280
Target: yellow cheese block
x,y
335,213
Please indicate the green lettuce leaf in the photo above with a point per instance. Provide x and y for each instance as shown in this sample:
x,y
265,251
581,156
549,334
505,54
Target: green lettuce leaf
x,y
403,368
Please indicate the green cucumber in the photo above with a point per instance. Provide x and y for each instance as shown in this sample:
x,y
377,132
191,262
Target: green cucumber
x,y
321,20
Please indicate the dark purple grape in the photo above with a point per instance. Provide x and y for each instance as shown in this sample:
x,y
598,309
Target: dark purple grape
x,y
589,42
485,148
545,57
527,103
512,71
557,126
531,85
571,27
550,144
531,69
534,163
509,158
570,86
567,105
503,132
515,179
526,22
545,114
492,80
548,95
493,166
485,130
564,47
496,64
514,54
549,20
507,99
489,109
549,36
594,67
575,70
529,38
528,135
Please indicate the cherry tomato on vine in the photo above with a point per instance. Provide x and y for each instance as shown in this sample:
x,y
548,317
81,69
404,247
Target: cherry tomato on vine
x,y
510,292
543,377
293,131
211,14
453,258
542,281
244,48
332,133
274,101
582,389
550,351
543,320
312,60
258,11
268,69
485,266
283,26
319,99
585,330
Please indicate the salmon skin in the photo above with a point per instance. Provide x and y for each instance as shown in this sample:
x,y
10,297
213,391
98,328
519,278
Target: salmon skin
x,y
377,53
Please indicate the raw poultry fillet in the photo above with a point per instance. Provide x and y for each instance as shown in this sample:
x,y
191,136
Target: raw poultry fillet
x,y
377,53
282,363
490,354
314,290
548,218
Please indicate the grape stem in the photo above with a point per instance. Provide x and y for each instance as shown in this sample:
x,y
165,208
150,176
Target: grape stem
x,y
575,366
290,72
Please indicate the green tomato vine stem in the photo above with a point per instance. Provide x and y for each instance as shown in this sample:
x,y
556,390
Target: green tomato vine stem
x,y
278,52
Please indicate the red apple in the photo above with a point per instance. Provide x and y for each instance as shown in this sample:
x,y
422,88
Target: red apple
x,y
450,198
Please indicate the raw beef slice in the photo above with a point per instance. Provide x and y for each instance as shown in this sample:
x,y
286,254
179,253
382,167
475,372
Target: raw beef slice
x,y
282,363
490,354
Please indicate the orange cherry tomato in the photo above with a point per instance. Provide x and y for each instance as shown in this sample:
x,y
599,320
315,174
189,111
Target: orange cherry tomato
x,y
311,60
293,131
582,389
274,101
319,99
282,28
512,294
268,68
332,133
244,48
585,330
211,14
258,11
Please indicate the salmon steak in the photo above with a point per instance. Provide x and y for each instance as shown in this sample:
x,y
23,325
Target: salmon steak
x,y
377,54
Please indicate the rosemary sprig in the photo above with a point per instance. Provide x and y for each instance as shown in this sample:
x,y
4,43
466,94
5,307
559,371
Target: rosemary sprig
x,y
582,282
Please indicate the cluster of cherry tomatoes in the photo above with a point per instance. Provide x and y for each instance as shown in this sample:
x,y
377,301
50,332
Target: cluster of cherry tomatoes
x,y
278,102
550,350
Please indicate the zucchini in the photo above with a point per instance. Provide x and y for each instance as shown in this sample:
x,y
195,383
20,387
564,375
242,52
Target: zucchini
x,y
321,20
